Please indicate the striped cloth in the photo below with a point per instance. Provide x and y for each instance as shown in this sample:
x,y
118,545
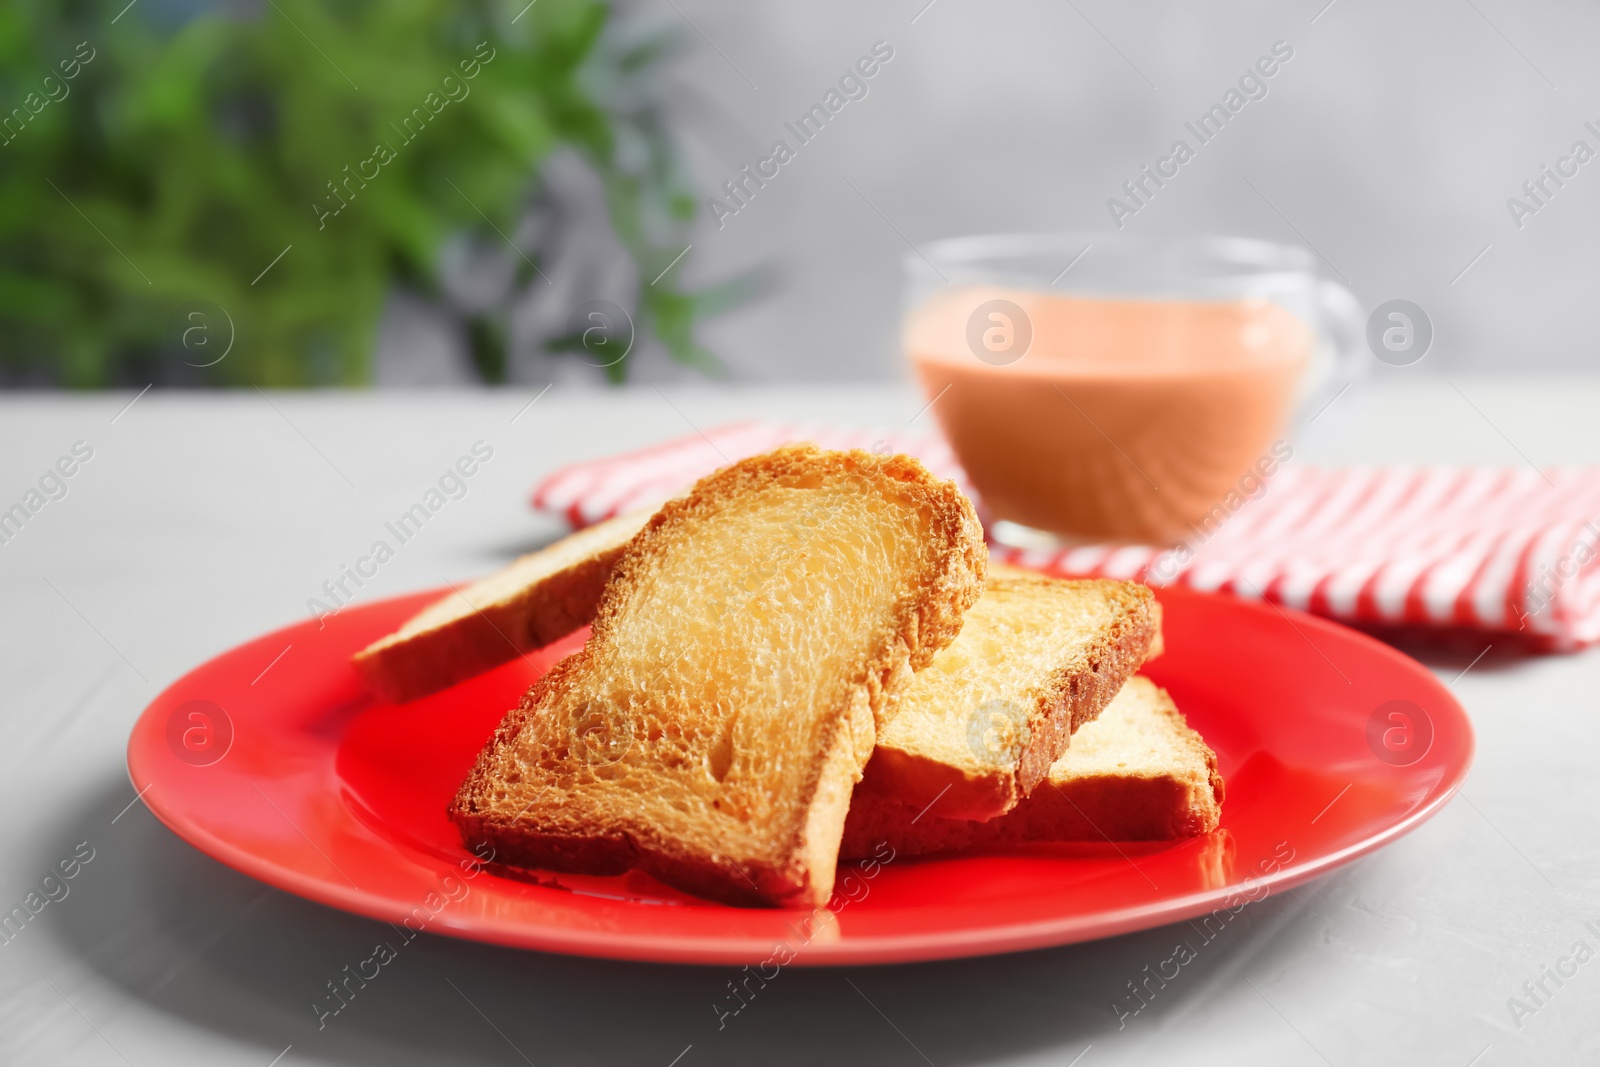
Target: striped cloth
x,y
1480,548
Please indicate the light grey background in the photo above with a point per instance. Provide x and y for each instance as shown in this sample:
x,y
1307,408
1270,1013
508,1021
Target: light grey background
x,y
1390,143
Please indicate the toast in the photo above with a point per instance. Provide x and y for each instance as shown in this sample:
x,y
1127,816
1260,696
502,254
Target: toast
x,y
1036,659
1137,773
539,598
752,635
1003,570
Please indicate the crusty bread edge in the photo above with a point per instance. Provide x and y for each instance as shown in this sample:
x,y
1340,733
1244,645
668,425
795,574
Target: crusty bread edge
x,y
1074,698
400,667
1188,808
409,668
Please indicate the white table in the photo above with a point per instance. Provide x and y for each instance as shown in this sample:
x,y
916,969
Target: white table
x,y
202,520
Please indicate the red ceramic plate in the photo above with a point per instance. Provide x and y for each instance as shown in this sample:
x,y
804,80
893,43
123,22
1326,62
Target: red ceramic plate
x,y
272,759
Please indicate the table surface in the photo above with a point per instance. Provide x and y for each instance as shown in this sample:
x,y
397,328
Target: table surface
x,y
203,520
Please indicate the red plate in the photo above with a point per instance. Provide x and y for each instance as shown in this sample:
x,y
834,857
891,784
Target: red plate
x,y
272,759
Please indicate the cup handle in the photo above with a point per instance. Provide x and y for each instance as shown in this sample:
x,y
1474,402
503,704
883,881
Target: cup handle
x,y
1345,325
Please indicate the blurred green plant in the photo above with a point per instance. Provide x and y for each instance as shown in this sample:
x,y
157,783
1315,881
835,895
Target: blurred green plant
x,y
188,150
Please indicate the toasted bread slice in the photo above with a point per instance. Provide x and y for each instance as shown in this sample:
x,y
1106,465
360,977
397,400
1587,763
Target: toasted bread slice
x,y
712,728
539,598
1137,773
1004,570
1036,659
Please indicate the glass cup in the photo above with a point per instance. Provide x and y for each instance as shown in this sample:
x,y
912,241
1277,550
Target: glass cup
x,y
1116,387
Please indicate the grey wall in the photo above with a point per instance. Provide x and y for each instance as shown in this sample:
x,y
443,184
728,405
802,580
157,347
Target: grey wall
x,y
1390,142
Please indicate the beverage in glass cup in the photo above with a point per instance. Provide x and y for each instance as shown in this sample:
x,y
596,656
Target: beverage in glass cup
x,y
1108,387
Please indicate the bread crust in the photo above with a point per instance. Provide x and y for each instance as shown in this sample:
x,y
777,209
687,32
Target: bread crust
x,y
1074,698
923,622
1137,805
403,667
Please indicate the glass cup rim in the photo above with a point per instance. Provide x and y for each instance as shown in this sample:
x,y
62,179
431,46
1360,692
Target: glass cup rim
x,y
1257,258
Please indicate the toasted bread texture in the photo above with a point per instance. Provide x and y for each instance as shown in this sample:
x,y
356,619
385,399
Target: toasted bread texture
x,y
1137,773
711,730
1036,659
539,598
1003,570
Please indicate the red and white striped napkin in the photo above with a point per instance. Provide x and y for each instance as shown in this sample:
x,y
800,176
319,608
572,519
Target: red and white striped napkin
x,y
1489,548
